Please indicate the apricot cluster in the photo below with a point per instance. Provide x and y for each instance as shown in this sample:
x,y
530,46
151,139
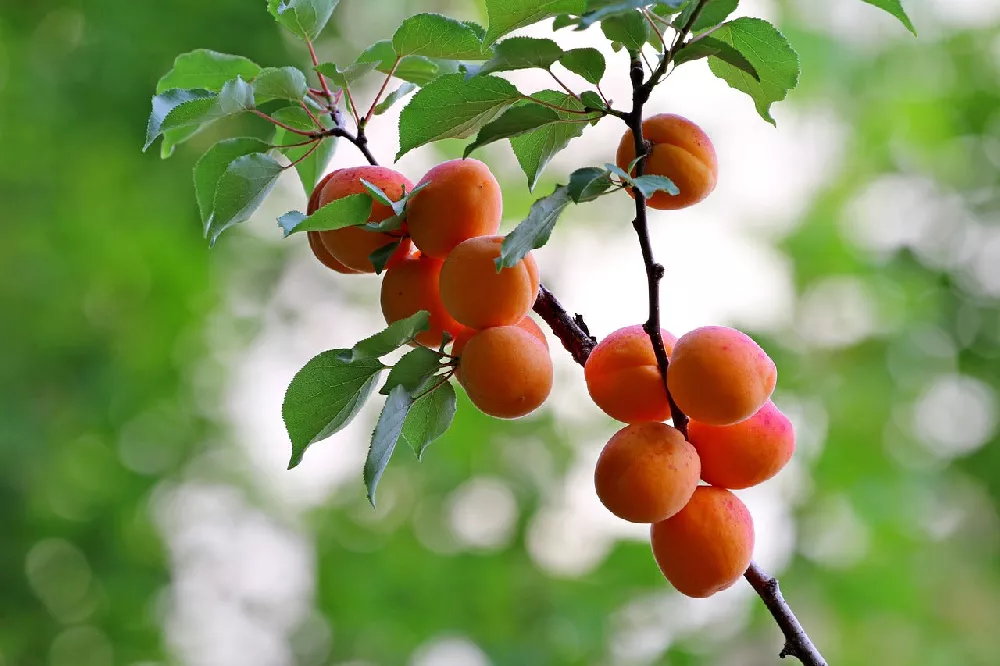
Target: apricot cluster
x,y
701,535
446,264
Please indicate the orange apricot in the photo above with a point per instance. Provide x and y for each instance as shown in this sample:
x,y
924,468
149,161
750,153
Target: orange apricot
x,y
411,285
682,152
746,453
623,378
460,200
477,295
719,375
647,472
506,371
528,324
706,546
352,246
320,252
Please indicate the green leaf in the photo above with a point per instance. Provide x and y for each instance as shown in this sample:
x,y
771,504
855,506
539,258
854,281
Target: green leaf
x,y
382,255
345,76
650,185
508,15
412,370
436,36
389,339
163,104
209,169
393,97
714,13
236,96
588,63
324,396
279,83
242,188
175,137
894,7
429,417
513,122
207,70
452,106
415,69
563,21
534,149
384,438
535,230
588,183
771,55
377,194
630,30
311,168
350,211
522,53
709,46
610,9
592,100
304,18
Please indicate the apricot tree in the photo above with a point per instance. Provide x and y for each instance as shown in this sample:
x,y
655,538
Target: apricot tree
x,y
460,295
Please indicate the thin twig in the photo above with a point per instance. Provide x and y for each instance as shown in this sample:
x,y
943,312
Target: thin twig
x,y
655,27
316,144
381,91
275,121
561,84
322,79
797,643
305,107
556,107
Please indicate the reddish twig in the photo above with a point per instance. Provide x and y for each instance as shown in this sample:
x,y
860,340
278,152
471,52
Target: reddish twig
x,y
381,91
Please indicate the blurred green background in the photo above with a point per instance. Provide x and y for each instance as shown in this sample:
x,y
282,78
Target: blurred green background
x,y
145,516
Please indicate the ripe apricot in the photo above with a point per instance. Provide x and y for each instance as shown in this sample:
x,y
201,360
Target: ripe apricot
x,y
719,375
682,152
506,371
466,333
623,378
411,285
320,252
352,246
647,472
706,546
477,295
746,453
461,200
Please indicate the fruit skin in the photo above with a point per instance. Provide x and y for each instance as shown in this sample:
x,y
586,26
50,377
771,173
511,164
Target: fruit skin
x,y
411,285
682,152
720,376
477,295
647,472
623,378
506,371
707,545
352,245
462,200
466,333
746,453
320,252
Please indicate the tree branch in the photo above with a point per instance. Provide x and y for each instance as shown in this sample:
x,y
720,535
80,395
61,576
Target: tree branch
x,y
797,643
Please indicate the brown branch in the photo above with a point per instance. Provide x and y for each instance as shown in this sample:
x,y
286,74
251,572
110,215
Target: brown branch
x,y
571,331
797,643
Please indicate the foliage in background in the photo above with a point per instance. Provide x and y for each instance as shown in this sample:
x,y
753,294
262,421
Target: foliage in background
x,y
107,284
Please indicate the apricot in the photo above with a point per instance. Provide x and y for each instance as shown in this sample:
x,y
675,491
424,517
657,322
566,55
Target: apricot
x,y
411,285
528,324
352,246
320,252
461,200
706,546
719,375
623,378
506,371
477,295
647,472
682,152
744,454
